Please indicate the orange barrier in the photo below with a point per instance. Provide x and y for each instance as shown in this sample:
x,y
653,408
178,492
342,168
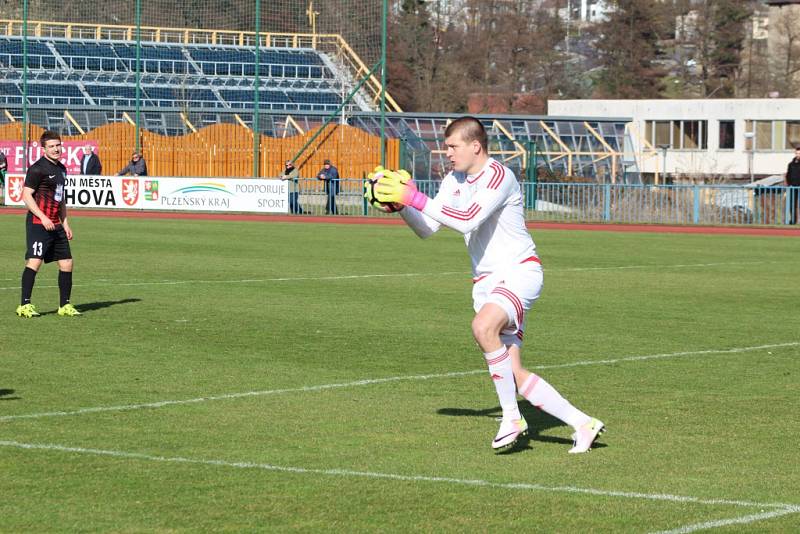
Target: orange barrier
x,y
226,150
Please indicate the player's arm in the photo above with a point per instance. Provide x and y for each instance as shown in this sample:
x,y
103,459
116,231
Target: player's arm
x,y
484,203
30,203
423,225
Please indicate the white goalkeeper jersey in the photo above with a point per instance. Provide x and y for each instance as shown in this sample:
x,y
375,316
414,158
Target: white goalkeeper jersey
x,y
485,207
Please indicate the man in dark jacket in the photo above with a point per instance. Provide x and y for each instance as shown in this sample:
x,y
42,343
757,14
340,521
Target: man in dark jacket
x,y
330,175
792,179
3,169
90,163
137,166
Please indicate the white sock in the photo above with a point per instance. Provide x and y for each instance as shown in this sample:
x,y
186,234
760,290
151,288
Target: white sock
x,y
546,398
499,362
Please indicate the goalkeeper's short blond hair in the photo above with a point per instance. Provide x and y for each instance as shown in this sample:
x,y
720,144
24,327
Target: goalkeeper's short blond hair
x,y
470,130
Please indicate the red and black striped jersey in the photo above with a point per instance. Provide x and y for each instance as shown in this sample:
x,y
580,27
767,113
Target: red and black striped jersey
x,y
47,179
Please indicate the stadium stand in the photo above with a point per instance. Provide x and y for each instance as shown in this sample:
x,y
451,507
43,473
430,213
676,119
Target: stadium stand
x,y
103,73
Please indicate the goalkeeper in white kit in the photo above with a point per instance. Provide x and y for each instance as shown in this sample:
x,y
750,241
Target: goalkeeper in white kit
x,y
481,199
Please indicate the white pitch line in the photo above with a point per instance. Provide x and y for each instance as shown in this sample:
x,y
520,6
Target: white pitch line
x,y
161,404
672,355
664,266
371,381
401,478
106,283
255,280
742,520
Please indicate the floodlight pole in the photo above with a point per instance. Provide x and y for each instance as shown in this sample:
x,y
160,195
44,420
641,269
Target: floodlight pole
x,y
384,16
256,87
138,67
25,86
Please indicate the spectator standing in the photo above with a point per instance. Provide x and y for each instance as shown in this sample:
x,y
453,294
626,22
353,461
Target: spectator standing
x,y
136,167
292,176
90,162
792,179
330,175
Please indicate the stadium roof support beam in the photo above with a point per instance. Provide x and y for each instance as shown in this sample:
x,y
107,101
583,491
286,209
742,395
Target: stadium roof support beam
x,y
520,149
290,121
240,121
71,119
644,154
610,152
187,122
564,147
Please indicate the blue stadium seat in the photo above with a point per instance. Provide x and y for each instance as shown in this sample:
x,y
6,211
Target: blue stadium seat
x,y
171,75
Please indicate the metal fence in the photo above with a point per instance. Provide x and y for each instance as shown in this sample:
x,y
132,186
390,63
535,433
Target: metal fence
x,y
612,203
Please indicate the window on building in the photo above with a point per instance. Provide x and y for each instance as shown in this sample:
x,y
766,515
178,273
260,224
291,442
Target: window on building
x,y
693,135
763,135
773,135
678,135
792,135
727,137
663,133
778,135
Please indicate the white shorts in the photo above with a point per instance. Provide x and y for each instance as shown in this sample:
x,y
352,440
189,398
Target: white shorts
x,y
515,290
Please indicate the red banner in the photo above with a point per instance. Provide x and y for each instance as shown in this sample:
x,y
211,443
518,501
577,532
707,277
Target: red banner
x,y
71,158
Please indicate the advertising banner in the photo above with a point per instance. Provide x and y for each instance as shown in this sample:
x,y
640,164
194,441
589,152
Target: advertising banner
x,y
214,194
170,194
71,158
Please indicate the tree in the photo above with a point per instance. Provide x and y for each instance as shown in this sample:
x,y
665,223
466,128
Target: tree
x,y
784,61
425,52
410,47
628,46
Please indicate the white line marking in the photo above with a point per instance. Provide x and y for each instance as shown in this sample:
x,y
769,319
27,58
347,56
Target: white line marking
x,y
109,283
256,280
403,478
371,381
673,355
664,266
743,520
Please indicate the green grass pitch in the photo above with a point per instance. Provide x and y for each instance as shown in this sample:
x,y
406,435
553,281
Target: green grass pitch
x,y
325,379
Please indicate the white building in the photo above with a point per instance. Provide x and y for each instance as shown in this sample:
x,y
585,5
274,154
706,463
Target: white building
x,y
585,11
702,137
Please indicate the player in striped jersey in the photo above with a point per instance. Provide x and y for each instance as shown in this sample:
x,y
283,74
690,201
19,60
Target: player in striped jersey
x,y
46,228
482,200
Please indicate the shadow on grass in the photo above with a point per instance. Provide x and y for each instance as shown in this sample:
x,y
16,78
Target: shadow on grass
x,y
538,422
93,306
4,395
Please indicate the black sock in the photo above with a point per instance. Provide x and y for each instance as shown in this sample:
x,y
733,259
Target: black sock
x,y
64,286
28,278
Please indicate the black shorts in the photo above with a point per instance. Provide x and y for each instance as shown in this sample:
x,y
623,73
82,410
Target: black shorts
x,y
47,245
